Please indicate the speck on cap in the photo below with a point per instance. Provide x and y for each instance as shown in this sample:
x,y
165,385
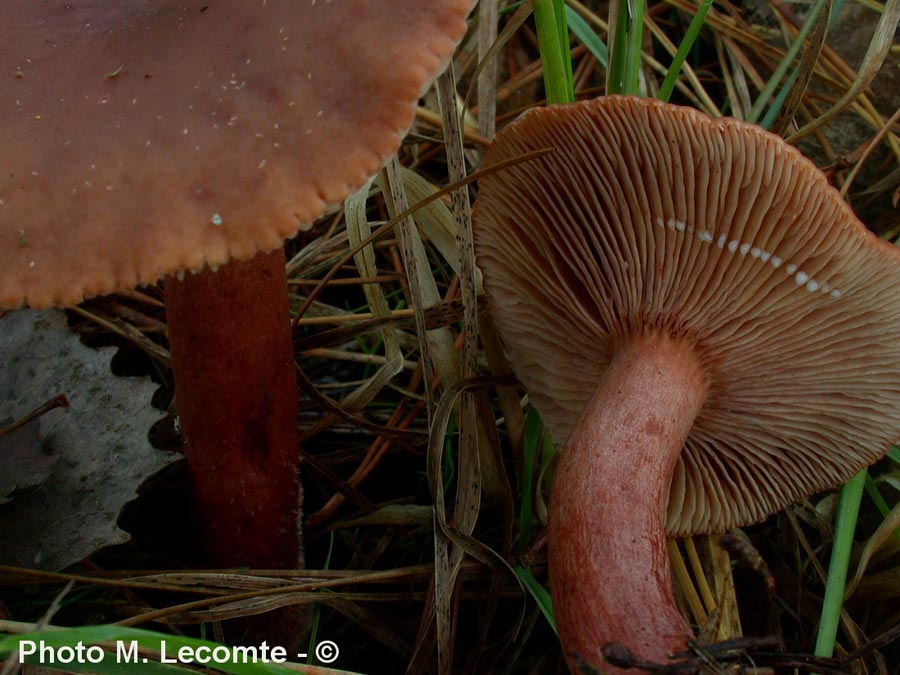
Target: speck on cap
x,y
141,138
652,217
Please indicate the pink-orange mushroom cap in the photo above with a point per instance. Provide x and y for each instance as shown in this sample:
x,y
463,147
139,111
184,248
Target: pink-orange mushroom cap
x,y
143,138
704,326
139,139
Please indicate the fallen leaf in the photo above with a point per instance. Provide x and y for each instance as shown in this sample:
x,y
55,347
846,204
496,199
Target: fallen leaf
x,y
23,462
99,444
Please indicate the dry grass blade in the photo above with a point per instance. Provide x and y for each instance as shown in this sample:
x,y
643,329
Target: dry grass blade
x,y
870,147
392,514
58,401
212,581
479,463
435,220
147,582
359,236
885,533
354,317
471,133
742,69
359,231
242,608
512,25
487,77
878,587
718,612
444,314
291,589
448,561
735,82
262,605
310,300
471,546
437,347
469,496
804,72
507,395
872,63
13,665
387,364
709,599
128,332
685,585
477,452
331,406
372,623
723,584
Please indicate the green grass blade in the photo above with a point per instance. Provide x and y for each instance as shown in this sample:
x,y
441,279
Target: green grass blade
x,y
634,46
835,10
772,113
625,58
587,37
562,28
615,75
687,43
875,496
317,613
844,528
769,90
540,594
111,666
534,432
554,50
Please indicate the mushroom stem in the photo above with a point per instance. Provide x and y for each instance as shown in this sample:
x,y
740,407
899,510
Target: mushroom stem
x,y
609,566
236,393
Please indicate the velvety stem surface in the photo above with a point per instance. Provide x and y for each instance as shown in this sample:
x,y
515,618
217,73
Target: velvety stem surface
x,y
609,567
236,393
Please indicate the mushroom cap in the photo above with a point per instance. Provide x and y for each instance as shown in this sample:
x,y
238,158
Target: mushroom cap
x,y
142,138
653,217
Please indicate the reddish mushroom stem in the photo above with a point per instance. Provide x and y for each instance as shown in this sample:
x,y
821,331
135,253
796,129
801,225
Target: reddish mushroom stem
x,y
236,393
609,566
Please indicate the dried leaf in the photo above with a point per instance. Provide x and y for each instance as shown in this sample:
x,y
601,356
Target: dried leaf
x,y
23,462
99,443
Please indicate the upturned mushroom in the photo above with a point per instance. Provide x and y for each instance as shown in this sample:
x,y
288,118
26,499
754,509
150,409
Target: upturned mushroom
x,y
139,139
706,329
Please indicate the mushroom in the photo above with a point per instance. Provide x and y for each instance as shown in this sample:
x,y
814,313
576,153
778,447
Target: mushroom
x,y
703,325
140,139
